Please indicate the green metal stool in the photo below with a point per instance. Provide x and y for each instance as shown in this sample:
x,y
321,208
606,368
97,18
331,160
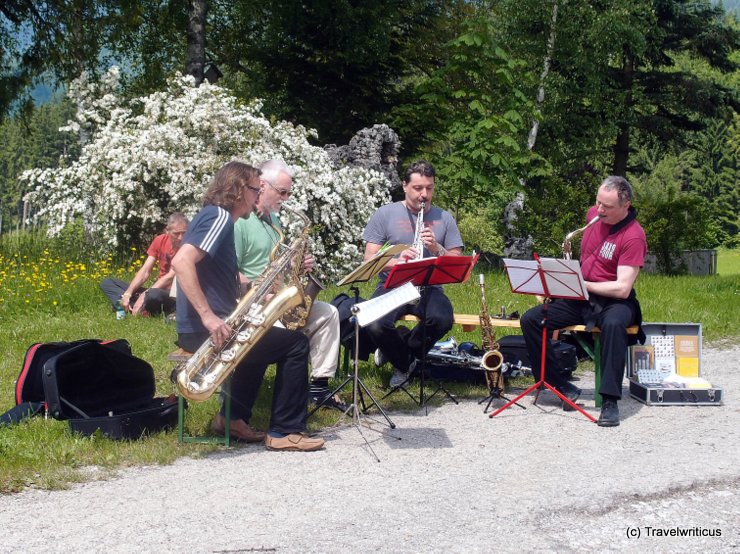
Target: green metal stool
x,y
181,355
225,439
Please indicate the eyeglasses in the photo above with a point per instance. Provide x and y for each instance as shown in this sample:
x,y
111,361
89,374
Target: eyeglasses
x,y
255,190
284,193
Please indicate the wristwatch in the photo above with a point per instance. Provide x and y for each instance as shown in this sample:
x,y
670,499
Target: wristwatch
x,y
441,251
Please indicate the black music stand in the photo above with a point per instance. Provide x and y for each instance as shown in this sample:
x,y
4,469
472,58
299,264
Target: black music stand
x,y
364,314
551,278
424,273
361,274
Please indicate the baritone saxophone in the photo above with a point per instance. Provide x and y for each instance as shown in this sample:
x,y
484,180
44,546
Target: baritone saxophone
x,y
278,292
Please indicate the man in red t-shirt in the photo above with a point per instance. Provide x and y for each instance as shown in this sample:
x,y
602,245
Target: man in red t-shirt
x,y
133,296
612,252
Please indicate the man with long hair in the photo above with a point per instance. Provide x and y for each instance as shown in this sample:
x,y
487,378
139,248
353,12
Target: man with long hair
x,y
208,288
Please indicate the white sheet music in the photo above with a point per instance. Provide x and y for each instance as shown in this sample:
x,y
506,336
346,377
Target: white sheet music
x,y
563,277
523,276
375,308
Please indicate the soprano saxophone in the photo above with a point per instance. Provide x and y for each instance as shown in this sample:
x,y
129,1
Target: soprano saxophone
x,y
492,358
274,294
567,250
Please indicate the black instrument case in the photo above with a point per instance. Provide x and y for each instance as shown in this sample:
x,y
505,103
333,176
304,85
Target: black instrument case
x,y
97,387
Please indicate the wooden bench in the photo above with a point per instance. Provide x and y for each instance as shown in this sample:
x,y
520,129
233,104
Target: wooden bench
x,y
469,322
179,355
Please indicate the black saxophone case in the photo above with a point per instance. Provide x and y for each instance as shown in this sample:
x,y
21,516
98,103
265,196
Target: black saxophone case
x,y
97,387
30,399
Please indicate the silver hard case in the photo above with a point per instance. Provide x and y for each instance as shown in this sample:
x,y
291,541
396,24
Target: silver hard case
x,y
654,395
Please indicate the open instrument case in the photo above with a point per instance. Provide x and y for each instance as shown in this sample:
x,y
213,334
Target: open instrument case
x,y
97,387
671,349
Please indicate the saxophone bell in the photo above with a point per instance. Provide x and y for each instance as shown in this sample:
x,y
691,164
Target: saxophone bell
x,y
492,360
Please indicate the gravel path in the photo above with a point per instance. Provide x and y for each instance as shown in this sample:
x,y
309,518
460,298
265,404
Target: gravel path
x,y
456,481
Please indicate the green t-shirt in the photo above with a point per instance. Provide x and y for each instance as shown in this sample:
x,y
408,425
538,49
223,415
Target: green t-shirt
x,y
254,240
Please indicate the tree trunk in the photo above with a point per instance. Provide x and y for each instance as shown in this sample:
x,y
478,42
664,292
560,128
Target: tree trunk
x,y
622,143
196,61
521,247
545,71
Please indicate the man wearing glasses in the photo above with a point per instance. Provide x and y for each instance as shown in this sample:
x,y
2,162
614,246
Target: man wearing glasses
x,y
207,277
255,238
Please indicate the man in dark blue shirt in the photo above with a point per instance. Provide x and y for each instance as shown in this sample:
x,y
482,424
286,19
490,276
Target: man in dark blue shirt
x,y
208,289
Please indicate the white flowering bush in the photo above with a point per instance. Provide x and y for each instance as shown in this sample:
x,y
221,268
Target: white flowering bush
x,y
145,158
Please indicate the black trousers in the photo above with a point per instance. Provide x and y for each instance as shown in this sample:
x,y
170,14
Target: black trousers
x,y
401,347
613,320
156,301
289,350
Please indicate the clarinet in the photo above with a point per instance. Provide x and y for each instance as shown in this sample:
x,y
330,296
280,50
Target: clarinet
x,y
418,242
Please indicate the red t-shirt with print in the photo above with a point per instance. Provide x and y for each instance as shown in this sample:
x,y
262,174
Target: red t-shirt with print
x,y
602,253
161,249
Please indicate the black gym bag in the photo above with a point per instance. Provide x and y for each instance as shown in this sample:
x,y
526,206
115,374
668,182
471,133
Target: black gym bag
x,y
30,399
514,351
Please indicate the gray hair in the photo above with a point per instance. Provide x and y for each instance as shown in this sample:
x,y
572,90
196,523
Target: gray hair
x,y
177,217
272,168
621,185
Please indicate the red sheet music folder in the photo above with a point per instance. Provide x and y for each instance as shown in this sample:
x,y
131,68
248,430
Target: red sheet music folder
x,y
431,271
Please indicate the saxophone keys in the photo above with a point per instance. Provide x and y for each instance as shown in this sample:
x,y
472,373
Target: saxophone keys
x,y
228,355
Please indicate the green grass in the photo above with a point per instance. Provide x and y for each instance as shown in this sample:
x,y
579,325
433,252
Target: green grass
x,y
43,453
728,261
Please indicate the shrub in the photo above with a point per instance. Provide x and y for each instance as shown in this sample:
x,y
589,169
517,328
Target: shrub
x,y
145,158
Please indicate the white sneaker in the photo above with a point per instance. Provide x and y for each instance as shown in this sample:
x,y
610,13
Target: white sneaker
x,y
379,358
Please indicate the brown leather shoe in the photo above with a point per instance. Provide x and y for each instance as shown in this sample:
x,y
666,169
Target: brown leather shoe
x,y
294,441
240,429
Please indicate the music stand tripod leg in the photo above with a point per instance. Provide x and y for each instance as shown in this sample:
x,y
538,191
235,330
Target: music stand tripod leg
x,y
421,402
357,387
494,395
331,395
440,387
542,382
402,387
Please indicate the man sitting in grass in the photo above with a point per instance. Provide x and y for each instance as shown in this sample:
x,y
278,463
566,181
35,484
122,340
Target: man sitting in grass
x,y
156,299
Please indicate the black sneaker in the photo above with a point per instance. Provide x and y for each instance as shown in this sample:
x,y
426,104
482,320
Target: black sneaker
x,y
571,392
400,377
609,414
